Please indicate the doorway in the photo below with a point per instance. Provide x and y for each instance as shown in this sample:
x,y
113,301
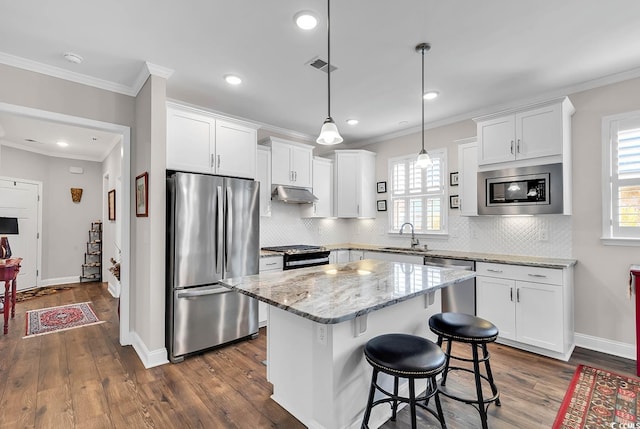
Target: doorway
x,y
125,137
20,199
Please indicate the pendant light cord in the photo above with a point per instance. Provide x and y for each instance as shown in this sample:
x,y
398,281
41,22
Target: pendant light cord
x,y
422,98
329,58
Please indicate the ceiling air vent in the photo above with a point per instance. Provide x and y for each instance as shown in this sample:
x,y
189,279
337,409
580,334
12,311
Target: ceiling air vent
x,y
320,64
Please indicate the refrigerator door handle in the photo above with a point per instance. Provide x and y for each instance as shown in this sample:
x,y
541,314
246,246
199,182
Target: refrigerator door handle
x,y
195,294
219,230
229,227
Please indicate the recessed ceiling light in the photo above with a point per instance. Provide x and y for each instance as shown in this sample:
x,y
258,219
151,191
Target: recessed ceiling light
x,y
233,79
430,95
352,121
306,20
62,144
72,58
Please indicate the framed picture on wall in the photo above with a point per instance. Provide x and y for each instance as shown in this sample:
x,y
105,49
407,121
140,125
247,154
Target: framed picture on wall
x,y
453,178
382,205
142,195
382,187
454,201
111,203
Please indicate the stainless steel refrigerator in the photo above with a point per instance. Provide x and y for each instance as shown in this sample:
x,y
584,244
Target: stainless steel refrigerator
x,y
212,233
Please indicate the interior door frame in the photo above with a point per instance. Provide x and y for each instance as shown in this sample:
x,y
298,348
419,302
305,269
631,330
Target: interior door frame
x,y
125,239
38,226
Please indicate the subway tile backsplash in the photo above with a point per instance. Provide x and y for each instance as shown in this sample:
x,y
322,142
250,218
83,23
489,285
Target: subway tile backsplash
x,y
548,235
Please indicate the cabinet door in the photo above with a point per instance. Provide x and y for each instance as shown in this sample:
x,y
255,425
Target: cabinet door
x,y
301,161
347,174
235,153
367,193
394,257
281,173
496,140
468,178
495,302
190,141
264,177
322,188
272,263
539,315
356,255
539,132
342,256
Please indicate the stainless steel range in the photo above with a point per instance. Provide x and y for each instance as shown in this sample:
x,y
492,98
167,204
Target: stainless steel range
x,y
301,256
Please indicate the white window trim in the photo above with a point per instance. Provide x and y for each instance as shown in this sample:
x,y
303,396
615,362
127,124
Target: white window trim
x,y
445,212
607,164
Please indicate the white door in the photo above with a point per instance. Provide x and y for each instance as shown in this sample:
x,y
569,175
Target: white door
x,y
20,199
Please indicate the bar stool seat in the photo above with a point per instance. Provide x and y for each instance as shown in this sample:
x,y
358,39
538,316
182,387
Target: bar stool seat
x,y
404,356
477,332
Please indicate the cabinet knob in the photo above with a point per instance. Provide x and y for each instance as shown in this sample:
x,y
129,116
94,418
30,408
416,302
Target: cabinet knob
x,y
511,147
218,161
518,146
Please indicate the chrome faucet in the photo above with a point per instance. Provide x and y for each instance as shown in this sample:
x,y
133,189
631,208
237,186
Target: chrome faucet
x,y
414,241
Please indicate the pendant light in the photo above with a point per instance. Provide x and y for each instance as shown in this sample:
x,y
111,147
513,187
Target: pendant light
x,y
424,160
329,134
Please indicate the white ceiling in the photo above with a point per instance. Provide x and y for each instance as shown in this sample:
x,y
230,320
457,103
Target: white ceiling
x,y
485,54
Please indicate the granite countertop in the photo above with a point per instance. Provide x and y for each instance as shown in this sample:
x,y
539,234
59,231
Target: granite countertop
x,y
334,293
532,261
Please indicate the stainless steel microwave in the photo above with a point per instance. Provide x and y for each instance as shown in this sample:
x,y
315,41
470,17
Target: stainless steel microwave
x,y
521,190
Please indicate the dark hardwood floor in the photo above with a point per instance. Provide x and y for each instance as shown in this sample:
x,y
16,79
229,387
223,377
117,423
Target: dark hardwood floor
x,y
83,378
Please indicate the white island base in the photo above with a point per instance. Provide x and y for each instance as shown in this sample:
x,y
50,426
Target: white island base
x,y
318,371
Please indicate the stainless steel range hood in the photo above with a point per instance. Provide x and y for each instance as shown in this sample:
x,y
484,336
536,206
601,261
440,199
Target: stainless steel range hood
x,y
292,195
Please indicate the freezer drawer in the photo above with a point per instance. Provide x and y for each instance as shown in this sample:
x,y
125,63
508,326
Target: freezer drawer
x,y
208,316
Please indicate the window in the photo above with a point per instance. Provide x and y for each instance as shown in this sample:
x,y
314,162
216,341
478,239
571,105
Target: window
x,y
621,178
418,195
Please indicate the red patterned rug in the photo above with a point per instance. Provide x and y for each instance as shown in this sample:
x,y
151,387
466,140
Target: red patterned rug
x,y
62,318
599,399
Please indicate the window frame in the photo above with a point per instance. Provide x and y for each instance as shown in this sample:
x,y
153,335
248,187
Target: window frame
x,y
610,231
444,193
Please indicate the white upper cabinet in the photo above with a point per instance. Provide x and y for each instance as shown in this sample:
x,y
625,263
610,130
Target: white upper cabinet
x,y
290,162
355,183
468,176
203,143
264,177
539,131
322,188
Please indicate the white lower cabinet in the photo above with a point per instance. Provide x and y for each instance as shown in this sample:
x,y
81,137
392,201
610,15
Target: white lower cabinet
x,y
531,306
267,264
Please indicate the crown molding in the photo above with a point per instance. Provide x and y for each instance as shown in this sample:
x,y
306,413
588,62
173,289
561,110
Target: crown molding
x,y
147,70
34,66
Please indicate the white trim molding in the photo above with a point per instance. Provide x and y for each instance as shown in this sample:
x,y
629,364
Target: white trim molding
x,y
149,358
605,345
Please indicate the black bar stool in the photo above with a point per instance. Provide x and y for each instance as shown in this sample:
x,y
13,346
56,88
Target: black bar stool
x,y
410,357
477,332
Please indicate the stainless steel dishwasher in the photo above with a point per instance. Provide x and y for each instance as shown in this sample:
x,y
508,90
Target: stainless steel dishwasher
x,y
460,297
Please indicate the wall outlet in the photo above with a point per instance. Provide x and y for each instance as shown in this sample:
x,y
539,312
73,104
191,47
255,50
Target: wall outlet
x,y
322,334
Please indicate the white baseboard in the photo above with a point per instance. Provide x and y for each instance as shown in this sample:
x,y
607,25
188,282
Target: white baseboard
x,y
604,345
59,281
114,289
149,358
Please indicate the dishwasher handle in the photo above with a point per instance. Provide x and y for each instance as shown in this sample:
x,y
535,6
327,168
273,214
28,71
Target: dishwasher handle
x,y
457,267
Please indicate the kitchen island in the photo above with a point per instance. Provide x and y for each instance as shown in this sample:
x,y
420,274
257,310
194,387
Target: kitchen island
x,y
321,317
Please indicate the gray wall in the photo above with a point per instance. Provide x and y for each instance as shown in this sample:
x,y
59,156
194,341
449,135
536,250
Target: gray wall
x,y
112,169
64,223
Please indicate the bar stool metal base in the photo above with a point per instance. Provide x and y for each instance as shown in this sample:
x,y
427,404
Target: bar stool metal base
x,y
483,333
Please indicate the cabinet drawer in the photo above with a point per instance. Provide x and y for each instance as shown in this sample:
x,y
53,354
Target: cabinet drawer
x,y
520,272
271,263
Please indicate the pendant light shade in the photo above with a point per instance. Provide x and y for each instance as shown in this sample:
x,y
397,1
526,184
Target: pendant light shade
x,y
423,160
329,134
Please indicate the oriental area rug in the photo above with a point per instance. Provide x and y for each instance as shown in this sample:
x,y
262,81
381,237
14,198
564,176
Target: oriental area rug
x,y
599,399
61,318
